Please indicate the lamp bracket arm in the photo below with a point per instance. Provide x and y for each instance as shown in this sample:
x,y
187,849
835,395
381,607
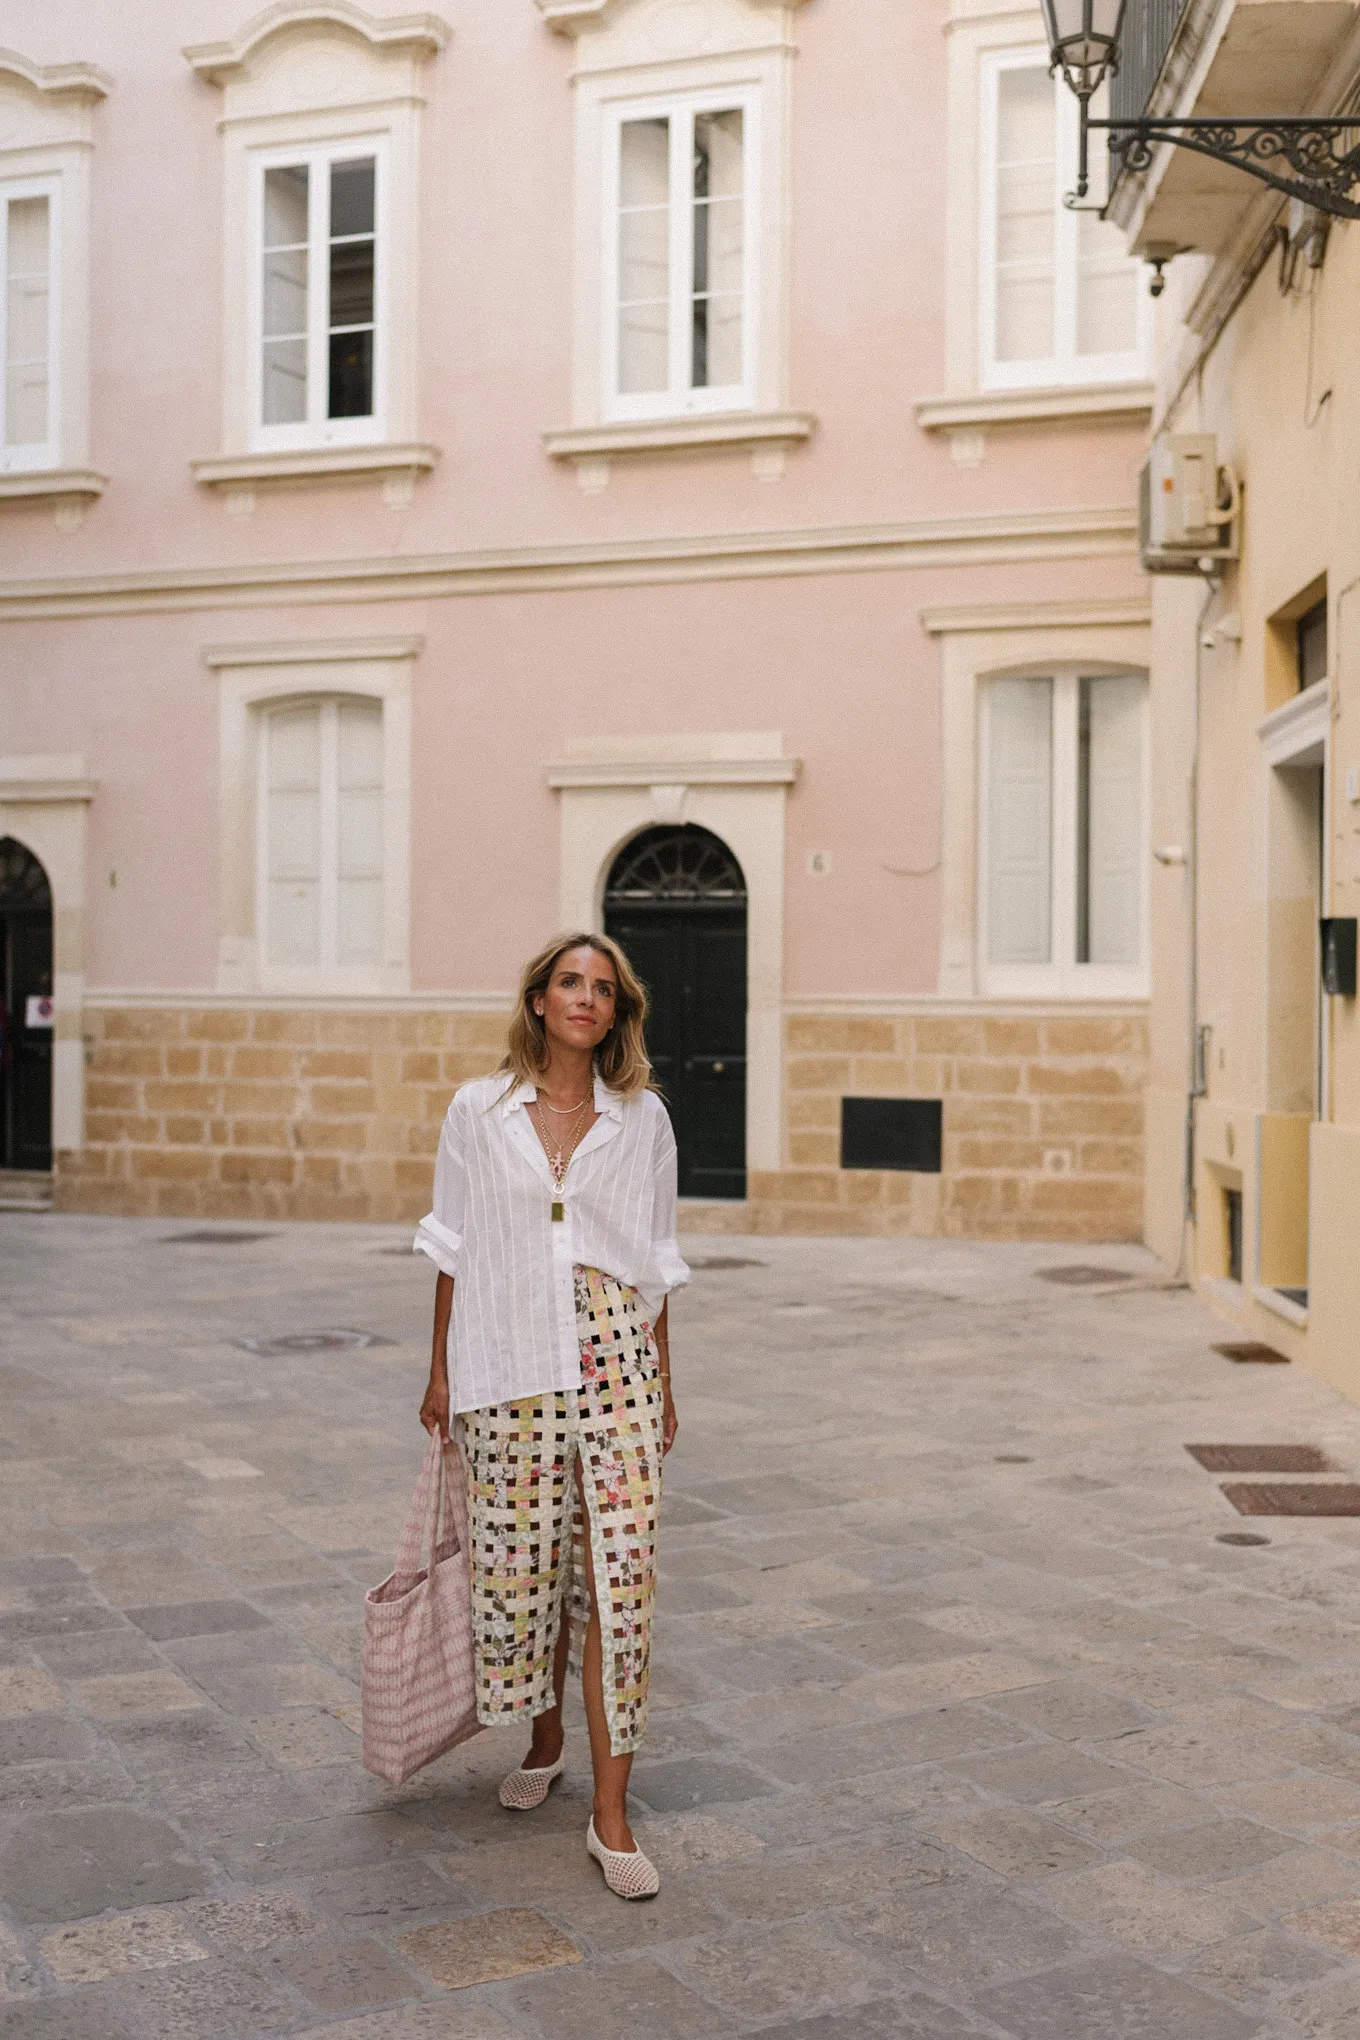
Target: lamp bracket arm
x,y
1298,155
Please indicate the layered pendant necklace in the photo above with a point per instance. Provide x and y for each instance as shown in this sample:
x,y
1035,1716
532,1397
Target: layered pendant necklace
x,y
560,1151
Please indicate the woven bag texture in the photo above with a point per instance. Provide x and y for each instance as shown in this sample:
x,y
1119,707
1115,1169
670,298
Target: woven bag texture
x,y
417,1681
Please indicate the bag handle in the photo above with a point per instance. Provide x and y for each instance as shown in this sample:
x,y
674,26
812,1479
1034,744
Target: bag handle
x,y
431,1519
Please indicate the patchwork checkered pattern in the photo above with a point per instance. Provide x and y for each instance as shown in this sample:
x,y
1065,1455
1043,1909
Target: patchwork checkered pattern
x,y
530,1466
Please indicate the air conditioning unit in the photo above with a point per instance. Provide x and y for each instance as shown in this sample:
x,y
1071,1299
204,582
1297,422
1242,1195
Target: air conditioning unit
x,y
1187,505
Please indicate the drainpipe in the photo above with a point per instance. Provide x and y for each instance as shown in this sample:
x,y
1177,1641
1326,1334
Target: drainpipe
x,y
1198,1084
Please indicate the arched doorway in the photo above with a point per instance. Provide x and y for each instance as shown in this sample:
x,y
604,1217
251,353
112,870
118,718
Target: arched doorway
x,y
676,901
25,1010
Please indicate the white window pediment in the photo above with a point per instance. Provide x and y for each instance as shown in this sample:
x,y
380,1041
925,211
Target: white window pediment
x,y
302,58
46,105
660,31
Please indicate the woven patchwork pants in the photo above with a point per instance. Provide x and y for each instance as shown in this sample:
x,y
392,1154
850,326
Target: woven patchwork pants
x,y
531,1467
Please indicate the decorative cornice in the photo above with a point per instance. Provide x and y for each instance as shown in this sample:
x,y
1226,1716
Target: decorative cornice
x,y
417,35
85,82
43,482
1078,614
578,773
940,1006
311,652
1298,725
994,539
680,435
570,17
312,464
1102,401
45,778
112,998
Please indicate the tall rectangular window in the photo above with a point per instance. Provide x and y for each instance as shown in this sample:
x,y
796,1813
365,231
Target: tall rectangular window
x,y
28,432
318,326
1064,827
321,847
681,262
1060,298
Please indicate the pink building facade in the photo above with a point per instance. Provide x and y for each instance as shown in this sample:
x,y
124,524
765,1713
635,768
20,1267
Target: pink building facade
x,y
658,464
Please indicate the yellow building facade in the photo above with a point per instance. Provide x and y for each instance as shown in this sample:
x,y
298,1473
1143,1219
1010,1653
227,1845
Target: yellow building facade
x,y
1253,1106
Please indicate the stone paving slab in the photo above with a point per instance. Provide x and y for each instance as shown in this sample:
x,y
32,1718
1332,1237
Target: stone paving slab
x,y
965,1724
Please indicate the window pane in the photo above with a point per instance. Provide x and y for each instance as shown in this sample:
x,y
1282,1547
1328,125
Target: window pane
x,y
1110,821
352,197
293,738
359,815
644,256
26,328
1026,199
719,250
351,375
350,286
1020,821
284,367
1107,289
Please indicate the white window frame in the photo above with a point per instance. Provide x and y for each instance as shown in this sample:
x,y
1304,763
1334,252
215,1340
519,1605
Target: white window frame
x,y
1064,368
680,400
40,454
318,430
1062,976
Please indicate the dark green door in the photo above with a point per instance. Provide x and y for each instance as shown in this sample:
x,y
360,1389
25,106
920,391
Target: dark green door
x,y
676,902
26,990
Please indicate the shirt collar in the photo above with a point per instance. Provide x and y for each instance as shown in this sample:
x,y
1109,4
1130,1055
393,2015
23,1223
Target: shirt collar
x,y
606,1101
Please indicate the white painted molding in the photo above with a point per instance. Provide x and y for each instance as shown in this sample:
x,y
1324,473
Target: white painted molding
x,y
949,620
44,804
417,35
1105,401
70,483
971,540
84,82
770,429
1300,725
311,651
313,464
196,999
941,1006
670,772
44,777
569,17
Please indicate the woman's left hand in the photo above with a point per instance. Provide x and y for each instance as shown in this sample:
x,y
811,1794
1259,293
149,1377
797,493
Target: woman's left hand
x,y
670,1423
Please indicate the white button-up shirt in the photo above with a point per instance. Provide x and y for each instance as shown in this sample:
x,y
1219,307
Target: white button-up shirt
x,y
513,1330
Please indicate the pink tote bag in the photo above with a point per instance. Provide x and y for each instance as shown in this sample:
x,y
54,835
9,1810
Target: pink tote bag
x,y
417,1683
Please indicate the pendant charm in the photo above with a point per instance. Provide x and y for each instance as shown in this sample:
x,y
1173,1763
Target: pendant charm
x,y
558,1211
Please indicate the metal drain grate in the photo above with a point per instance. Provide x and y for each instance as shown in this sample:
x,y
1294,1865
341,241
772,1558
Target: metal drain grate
x,y
1294,1498
1252,1350
725,1261
212,1237
310,1342
1083,1277
1261,1458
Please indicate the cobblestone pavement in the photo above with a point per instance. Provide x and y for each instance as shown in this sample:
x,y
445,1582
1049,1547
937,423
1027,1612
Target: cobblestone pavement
x,y
966,1721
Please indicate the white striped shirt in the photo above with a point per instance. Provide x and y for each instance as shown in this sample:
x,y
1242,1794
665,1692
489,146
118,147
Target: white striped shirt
x,y
513,1330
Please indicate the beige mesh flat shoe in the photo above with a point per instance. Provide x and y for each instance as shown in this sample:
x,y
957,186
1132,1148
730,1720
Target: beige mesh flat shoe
x,y
629,1874
523,1790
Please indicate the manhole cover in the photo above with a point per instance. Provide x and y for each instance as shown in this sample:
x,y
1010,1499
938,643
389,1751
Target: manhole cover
x,y
1240,1537
211,1237
1252,1350
1294,1498
1261,1458
725,1261
310,1342
1013,1459
1082,1277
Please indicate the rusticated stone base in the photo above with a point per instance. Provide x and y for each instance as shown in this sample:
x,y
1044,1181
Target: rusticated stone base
x,y
269,1112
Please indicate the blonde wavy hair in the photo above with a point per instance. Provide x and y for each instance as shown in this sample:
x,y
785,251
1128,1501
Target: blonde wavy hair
x,y
621,1058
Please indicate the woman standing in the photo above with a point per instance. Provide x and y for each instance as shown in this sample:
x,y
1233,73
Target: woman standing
x,y
554,1217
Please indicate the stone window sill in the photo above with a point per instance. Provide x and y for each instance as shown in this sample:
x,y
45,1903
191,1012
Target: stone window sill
x,y
765,435
238,476
67,491
968,419
1283,1306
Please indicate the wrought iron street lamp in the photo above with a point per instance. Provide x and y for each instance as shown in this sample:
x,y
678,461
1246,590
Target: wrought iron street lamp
x,y
1312,158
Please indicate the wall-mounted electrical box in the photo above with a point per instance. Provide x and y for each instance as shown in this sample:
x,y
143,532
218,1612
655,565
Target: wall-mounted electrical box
x,y
1188,505
1338,956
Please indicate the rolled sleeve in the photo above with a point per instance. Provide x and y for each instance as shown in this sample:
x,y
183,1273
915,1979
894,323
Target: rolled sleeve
x,y
669,1269
440,1232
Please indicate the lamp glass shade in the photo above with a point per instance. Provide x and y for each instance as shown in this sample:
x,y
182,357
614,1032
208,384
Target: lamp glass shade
x,y
1083,40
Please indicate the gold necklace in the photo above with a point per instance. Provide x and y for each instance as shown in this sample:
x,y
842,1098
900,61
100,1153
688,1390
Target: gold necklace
x,y
562,1111
559,1159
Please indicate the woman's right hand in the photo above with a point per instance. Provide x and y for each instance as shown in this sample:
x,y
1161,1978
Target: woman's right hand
x,y
434,1411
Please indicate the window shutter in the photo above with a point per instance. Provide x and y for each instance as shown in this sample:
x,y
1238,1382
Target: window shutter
x,y
293,738
644,256
359,794
1114,711
1026,197
1019,822
28,261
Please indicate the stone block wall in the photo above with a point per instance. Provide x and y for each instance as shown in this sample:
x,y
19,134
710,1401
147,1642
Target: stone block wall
x,y
271,1112
1043,1125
